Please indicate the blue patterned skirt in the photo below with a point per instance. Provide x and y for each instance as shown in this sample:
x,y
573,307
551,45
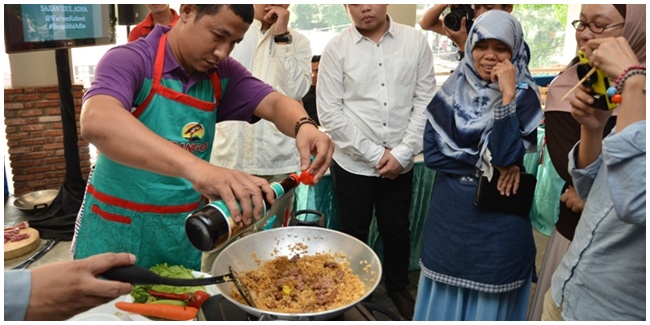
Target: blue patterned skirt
x,y
442,302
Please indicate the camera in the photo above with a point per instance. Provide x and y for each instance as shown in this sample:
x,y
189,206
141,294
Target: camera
x,y
597,81
457,12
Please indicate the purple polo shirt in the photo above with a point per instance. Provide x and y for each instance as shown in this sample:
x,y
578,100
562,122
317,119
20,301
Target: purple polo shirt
x,y
121,72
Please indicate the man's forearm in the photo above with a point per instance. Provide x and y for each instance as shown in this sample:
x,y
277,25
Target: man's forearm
x,y
282,111
129,142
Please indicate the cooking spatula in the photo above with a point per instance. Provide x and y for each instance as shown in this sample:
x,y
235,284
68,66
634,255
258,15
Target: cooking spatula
x,y
242,288
136,274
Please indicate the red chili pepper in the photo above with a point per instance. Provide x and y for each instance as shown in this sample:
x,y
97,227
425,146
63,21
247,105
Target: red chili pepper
x,y
169,295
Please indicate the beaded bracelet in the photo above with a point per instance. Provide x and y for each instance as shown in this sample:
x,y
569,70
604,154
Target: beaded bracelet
x,y
634,67
615,92
304,120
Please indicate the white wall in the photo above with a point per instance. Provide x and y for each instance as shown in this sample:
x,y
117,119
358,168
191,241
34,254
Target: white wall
x,y
570,44
404,14
33,69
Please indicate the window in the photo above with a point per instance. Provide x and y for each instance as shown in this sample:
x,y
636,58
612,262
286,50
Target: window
x,y
547,32
84,59
319,23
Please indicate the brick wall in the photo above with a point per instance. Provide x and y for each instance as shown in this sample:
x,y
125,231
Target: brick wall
x,y
35,137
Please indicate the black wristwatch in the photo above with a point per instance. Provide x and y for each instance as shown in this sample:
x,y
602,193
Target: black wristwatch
x,y
283,38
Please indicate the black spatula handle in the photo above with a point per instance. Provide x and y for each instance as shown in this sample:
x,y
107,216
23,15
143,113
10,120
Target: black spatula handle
x,y
135,274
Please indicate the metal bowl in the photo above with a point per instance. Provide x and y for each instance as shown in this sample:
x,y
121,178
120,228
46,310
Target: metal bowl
x,y
244,254
35,200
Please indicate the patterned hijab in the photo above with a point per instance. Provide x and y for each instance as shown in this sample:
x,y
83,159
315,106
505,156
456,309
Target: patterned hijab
x,y
634,33
462,111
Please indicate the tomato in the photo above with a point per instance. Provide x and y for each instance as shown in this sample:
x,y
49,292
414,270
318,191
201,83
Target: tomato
x,y
198,297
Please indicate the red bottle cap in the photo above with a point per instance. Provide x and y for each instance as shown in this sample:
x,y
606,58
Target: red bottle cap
x,y
295,178
306,178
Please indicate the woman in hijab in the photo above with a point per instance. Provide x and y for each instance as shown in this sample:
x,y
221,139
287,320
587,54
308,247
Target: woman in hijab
x,y
477,264
563,131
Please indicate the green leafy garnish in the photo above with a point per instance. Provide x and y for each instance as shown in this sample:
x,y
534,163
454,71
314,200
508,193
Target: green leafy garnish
x,y
140,294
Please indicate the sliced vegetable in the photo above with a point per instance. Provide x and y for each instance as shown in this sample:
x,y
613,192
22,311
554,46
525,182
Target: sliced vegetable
x,y
177,272
171,312
141,299
170,302
198,297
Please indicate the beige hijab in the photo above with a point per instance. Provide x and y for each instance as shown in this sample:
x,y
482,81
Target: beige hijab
x,y
633,31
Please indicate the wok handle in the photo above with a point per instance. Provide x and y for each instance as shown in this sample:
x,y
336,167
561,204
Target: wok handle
x,y
320,221
270,317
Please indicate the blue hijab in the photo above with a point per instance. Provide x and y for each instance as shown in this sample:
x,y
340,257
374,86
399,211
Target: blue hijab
x,y
462,111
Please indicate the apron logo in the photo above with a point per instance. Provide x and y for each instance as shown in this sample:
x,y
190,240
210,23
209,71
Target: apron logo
x,y
193,132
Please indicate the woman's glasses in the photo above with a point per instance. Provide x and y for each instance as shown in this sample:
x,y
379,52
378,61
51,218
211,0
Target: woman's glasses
x,y
596,28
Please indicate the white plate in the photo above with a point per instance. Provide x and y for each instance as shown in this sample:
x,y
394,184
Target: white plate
x,y
96,317
211,289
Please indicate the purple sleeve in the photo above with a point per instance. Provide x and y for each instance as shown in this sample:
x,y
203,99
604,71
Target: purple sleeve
x,y
122,70
120,73
243,92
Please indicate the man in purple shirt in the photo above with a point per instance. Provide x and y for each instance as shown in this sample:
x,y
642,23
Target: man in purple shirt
x,y
151,112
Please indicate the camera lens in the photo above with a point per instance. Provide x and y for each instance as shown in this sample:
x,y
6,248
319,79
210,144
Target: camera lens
x,y
452,21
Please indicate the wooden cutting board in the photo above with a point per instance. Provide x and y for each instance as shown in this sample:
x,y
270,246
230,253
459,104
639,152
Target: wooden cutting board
x,y
25,246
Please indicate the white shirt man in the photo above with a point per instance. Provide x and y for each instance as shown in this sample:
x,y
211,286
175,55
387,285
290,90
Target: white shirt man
x,y
260,149
375,80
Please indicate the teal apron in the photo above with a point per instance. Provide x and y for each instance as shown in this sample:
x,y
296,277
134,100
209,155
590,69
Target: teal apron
x,y
131,210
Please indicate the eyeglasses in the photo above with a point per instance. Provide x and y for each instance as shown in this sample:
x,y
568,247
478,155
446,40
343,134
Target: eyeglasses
x,y
596,28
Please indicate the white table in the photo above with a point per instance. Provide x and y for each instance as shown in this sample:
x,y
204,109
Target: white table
x,y
102,310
